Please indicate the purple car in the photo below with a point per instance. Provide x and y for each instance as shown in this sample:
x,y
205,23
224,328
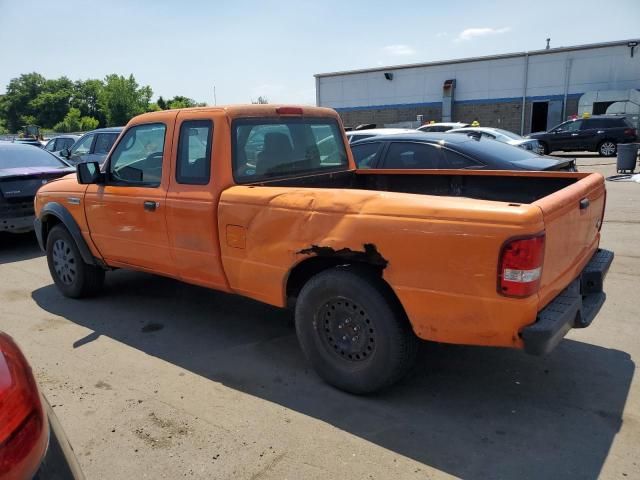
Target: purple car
x,y
24,169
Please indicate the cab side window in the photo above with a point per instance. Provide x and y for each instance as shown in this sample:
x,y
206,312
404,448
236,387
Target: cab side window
x,y
137,159
193,165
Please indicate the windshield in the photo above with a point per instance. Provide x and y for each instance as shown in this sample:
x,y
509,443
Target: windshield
x,y
490,149
14,156
266,148
507,133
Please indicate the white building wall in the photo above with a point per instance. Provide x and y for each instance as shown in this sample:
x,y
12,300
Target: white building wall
x,y
605,68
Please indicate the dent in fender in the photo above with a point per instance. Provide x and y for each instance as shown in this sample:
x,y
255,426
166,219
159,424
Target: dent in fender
x,y
370,254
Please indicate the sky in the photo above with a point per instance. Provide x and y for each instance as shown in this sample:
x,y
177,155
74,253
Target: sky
x,y
270,48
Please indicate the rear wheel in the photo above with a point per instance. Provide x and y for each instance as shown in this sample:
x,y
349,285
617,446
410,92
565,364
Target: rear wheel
x,y
607,148
353,331
73,277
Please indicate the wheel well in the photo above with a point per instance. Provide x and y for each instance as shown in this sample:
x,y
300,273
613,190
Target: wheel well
x,y
306,269
48,222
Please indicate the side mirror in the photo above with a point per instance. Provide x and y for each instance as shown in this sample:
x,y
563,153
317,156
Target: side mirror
x,y
88,173
65,152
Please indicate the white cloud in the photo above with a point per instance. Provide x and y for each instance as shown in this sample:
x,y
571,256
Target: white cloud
x,y
401,50
471,33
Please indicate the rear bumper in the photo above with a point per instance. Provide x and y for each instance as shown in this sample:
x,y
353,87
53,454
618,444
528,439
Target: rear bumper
x,y
575,307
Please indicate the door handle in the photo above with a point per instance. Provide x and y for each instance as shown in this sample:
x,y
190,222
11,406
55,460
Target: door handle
x,y
150,205
584,203
574,134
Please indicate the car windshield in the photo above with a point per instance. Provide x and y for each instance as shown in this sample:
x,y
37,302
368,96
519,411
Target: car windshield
x,y
507,133
266,148
13,156
485,148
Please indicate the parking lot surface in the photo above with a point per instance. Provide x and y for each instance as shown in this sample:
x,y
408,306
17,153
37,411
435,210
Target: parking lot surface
x,y
158,379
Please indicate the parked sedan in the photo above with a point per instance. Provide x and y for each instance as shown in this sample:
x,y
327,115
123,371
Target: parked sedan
x,y
92,146
32,442
24,169
446,151
355,135
441,126
504,136
59,143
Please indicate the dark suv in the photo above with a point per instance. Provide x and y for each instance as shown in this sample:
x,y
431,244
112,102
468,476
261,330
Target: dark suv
x,y
92,146
599,133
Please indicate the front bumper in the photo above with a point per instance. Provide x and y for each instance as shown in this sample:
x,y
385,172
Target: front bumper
x,y
575,307
17,224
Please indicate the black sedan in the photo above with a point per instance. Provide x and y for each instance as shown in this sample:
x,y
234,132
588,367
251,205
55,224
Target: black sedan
x,y
446,151
23,169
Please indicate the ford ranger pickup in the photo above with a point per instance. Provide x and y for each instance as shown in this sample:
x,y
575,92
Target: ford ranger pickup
x,y
265,201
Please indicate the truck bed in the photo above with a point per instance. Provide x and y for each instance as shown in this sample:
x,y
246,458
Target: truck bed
x,y
521,187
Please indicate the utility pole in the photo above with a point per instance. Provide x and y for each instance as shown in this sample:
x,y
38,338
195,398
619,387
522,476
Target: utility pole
x,y
548,42
215,102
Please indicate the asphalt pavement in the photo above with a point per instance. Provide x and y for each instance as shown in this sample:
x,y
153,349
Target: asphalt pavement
x,y
158,379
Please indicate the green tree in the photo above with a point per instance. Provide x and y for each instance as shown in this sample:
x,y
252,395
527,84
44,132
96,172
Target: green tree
x,y
181,102
122,98
75,122
161,103
260,101
16,104
52,104
86,96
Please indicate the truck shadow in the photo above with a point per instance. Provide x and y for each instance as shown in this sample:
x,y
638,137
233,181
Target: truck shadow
x,y
15,247
472,412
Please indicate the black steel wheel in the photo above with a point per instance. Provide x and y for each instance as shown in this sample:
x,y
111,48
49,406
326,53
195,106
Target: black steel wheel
x,y
353,330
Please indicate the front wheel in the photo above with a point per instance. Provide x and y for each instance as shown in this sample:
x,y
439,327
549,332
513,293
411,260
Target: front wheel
x,y
607,149
353,331
73,277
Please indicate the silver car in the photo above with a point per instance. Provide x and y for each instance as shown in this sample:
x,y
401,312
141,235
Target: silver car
x,y
504,136
59,143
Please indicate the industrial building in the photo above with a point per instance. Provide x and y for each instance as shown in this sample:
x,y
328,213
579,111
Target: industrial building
x,y
521,92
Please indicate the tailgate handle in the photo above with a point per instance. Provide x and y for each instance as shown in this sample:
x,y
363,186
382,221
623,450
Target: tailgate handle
x,y
584,203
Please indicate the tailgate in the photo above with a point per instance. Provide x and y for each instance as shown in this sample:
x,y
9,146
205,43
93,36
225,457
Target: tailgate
x,y
572,218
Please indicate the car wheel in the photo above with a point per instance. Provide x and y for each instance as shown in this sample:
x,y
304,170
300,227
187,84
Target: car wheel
x,y
607,148
73,277
353,332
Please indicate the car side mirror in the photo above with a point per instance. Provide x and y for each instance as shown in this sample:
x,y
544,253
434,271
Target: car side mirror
x,y
89,173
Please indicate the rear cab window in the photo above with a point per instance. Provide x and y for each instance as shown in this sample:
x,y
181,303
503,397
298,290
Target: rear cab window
x,y
266,148
193,165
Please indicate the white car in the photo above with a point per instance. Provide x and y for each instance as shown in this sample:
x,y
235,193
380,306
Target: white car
x,y
504,136
442,126
355,135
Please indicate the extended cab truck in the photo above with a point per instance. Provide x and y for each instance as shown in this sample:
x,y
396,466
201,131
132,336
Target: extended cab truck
x,y
264,201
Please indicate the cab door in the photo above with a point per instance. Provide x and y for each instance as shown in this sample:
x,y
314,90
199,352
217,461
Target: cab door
x,y
192,200
127,214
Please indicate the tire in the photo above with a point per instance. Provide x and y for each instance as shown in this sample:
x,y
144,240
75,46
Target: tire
x,y
607,148
378,346
73,277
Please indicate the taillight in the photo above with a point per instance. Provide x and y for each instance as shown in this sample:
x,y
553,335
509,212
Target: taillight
x,y
630,132
521,266
289,111
23,427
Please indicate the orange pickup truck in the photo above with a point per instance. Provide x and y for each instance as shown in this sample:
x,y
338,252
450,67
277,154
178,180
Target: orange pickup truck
x,y
265,201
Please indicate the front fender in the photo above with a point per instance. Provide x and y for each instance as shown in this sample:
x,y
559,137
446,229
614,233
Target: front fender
x,y
58,211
